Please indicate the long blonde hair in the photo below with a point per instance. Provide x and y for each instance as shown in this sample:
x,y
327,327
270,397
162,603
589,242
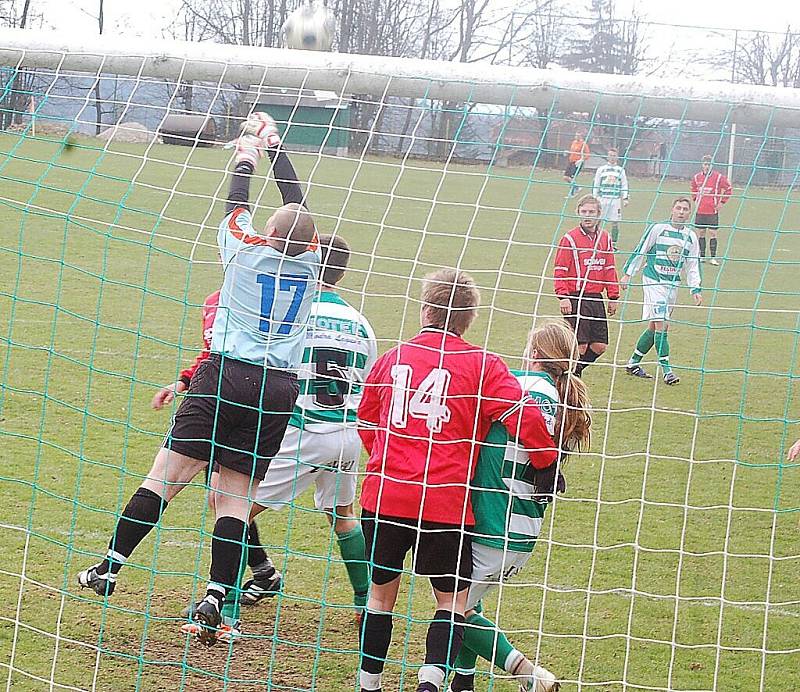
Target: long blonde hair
x,y
554,347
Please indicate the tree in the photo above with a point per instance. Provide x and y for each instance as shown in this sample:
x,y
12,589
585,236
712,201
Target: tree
x,y
17,85
544,33
765,58
605,44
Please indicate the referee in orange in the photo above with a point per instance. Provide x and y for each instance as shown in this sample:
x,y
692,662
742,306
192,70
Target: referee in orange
x,y
578,153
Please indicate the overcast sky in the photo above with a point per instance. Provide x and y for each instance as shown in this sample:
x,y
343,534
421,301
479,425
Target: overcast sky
x,y
151,16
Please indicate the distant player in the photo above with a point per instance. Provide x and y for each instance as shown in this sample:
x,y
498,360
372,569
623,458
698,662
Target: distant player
x,y
577,155
321,446
611,188
257,558
666,250
241,397
424,403
509,498
710,190
584,270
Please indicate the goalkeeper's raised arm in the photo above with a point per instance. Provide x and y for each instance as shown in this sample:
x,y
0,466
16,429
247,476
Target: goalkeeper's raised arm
x,y
259,135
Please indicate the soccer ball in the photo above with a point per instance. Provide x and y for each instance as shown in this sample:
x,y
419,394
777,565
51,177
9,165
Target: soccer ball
x,y
309,27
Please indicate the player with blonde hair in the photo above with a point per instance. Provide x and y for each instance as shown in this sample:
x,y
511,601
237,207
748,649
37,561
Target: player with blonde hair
x,y
424,403
510,496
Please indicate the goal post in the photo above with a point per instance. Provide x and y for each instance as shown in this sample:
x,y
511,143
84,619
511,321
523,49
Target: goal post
x,y
670,561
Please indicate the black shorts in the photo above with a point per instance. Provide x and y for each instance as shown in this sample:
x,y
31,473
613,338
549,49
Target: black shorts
x,y
571,170
590,324
706,221
232,416
441,551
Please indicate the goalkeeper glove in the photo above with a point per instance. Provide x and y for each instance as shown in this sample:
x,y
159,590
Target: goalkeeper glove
x,y
259,132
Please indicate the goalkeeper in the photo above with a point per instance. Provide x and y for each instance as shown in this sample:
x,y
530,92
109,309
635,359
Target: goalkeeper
x,y
241,398
257,558
666,250
507,523
321,446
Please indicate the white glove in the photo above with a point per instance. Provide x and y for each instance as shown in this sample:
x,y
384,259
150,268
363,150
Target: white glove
x,y
259,132
262,125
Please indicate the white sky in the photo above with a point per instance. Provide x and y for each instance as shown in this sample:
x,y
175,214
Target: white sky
x,y
767,15
151,16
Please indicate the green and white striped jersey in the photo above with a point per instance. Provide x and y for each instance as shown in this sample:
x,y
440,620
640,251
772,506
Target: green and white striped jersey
x,y
665,252
506,515
610,182
340,348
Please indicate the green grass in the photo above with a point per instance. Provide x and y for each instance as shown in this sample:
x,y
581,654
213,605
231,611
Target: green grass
x,y
653,572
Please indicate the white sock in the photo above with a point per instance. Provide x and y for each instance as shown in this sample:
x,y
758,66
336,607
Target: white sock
x,y
369,681
431,674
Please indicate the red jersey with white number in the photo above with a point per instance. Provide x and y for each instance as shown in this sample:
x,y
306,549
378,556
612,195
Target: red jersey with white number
x,y
426,406
208,315
710,191
585,264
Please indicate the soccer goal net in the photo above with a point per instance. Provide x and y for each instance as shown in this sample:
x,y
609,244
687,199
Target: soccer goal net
x,y
669,563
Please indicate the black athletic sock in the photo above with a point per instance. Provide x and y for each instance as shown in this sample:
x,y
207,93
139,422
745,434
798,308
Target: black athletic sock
x,y
141,514
445,636
226,553
713,243
586,360
376,634
462,683
702,240
256,555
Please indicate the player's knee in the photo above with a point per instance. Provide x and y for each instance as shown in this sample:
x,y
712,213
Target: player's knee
x,y
599,348
343,519
345,525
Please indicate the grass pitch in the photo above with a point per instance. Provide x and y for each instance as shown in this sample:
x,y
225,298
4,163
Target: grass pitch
x,y
671,562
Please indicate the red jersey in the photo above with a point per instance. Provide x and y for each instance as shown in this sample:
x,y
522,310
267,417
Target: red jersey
x,y
209,313
710,192
427,405
585,264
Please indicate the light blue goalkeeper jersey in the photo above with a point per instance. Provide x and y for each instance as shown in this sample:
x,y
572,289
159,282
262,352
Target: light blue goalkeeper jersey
x,y
266,297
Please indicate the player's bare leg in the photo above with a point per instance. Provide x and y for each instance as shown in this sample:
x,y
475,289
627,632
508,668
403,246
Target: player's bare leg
x,y
376,633
170,473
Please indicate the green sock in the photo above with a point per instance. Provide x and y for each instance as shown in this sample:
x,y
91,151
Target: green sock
x,y
354,553
483,637
614,233
662,348
230,608
466,659
645,343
